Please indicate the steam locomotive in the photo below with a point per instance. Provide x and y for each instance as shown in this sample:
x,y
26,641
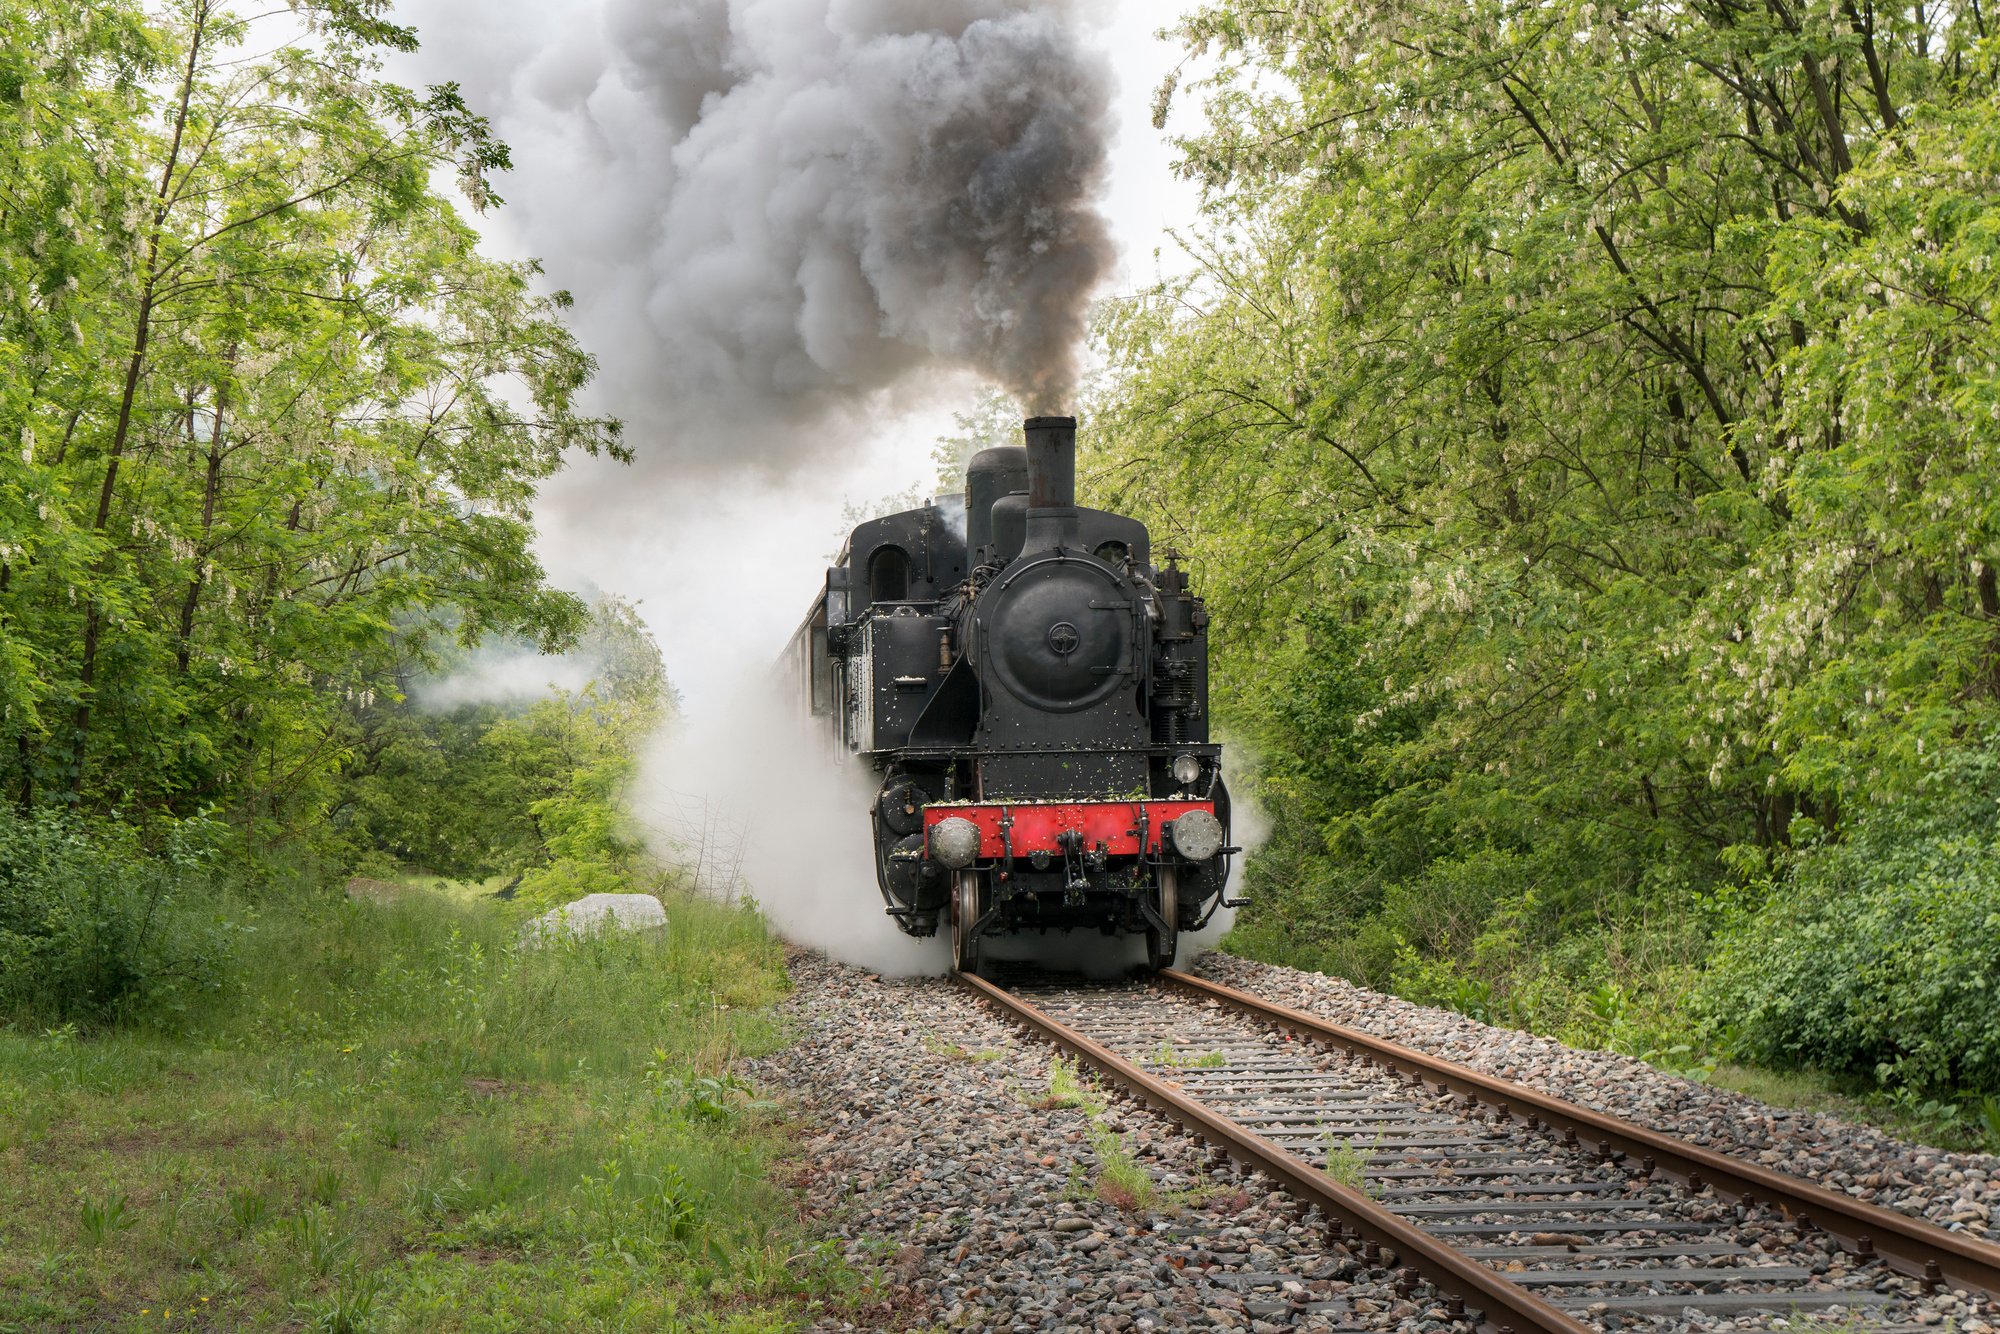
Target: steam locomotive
x,y
1032,692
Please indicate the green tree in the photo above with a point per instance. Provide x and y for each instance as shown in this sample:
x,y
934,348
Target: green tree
x,y
534,786
1608,387
290,421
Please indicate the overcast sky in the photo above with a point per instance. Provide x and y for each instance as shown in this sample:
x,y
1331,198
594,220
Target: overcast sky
x,y
722,555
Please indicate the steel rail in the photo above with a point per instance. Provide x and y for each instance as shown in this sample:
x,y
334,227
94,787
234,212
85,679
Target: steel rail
x,y
1502,1305
1906,1245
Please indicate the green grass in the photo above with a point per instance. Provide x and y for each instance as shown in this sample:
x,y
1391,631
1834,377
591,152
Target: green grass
x,y
1801,1089
1067,1089
1121,1182
957,1051
1348,1165
397,1121
1971,1126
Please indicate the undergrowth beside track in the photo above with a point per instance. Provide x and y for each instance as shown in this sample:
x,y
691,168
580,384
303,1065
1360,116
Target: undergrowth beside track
x,y
395,1119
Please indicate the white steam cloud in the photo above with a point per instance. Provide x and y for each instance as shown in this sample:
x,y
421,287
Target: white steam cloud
x,y
506,673
751,799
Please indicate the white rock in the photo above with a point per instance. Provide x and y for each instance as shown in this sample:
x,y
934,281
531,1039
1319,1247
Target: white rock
x,y
597,912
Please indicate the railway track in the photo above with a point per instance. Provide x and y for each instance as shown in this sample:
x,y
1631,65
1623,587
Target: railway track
x,y
1523,1211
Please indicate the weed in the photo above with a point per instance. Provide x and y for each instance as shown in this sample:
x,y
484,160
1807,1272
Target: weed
x,y
247,1208
1853,1324
600,1196
1348,1165
436,1195
1077,1188
320,1244
1166,1056
1935,1120
324,1188
183,1202
954,1051
717,1099
1067,1089
676,1205
100,1220
1212,1060
1121,1182
348,1308
1194,1197
393,1129
1679,1060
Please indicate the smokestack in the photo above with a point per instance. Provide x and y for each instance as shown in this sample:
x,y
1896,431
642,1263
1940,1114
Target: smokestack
x,y
1052,517
1051,463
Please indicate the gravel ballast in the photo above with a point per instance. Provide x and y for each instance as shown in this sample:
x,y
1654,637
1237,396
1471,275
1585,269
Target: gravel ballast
x,y
933,1156
1956,1191
937,1170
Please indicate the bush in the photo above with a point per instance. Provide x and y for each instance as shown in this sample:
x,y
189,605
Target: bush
x,y
94,928
1879,958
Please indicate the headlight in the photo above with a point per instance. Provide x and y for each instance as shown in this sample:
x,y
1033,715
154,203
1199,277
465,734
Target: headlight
x,y
1197,836
1186,769
955,842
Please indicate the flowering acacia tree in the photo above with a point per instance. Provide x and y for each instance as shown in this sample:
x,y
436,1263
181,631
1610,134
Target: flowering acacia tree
x,y
279,421
1584,416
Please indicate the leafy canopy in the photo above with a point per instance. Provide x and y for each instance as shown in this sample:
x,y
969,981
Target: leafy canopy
x,y
278,421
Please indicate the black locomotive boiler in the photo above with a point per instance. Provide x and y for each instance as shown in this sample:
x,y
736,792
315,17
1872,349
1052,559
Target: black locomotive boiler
x,y
1032,691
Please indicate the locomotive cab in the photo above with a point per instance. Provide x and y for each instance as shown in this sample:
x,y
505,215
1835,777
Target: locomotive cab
x,y
1033,692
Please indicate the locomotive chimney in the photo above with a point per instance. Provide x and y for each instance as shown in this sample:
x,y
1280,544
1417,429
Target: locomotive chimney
x,y
1051,463
1052,516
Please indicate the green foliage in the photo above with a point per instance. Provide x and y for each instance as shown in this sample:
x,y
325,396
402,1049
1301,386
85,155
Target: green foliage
x,y
1878,958
94,928
537,786
273,422
1347,1164
1580,422
564,1146
100,1220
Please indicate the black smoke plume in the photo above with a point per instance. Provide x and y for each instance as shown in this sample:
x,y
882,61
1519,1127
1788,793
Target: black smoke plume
x,y
770,210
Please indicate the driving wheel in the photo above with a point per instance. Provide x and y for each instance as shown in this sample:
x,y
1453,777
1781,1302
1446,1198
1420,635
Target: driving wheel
x,y
1161,945
965,914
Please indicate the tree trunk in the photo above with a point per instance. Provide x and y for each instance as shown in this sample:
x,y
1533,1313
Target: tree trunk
x,y
24,748
211,487
1989,606
93,616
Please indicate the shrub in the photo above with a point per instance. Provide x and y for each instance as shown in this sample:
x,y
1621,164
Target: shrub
x,y
93,927
1879,958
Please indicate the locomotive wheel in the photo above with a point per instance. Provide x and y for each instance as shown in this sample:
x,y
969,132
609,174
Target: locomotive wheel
x,y
965,914
1161,945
